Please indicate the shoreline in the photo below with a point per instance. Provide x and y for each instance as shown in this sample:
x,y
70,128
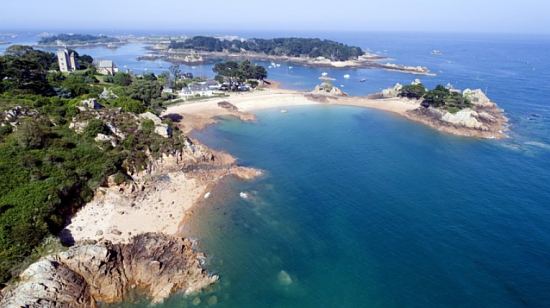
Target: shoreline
x,y
195,57
203,113
158,199
157,204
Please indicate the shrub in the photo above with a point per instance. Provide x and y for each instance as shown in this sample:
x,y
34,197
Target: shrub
x,y
94,127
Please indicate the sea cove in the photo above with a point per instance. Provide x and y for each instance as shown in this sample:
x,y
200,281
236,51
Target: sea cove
x,y
419,224
357,206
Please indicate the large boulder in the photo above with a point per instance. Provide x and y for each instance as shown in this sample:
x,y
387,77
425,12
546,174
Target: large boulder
x,y
465,117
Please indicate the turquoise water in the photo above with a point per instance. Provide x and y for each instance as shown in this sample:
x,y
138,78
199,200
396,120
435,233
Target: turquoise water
x,y
361,208
364,209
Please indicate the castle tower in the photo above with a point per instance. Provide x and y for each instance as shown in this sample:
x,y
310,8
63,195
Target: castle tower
x,y
67,60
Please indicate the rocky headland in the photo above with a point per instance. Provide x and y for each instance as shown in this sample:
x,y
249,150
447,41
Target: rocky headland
x,y
480,117
85,275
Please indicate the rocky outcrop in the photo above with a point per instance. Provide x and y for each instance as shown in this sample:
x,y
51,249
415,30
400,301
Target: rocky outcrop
x,y
483,119
465,117
328,89
161,128
393,91
155,264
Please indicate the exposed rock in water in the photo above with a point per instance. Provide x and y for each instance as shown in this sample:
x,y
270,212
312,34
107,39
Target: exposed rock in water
x,y
228,106
84,275
327,88
284,278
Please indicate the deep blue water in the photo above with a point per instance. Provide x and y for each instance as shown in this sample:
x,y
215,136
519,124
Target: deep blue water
x,y
365,209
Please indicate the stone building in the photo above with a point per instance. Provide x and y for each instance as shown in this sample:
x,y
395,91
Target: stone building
x,y
106,67
67,60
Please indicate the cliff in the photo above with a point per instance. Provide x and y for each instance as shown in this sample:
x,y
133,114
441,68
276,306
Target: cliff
x,y
88,274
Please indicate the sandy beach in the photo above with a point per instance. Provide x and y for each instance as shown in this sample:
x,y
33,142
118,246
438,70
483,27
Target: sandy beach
x,y
198,114
156,200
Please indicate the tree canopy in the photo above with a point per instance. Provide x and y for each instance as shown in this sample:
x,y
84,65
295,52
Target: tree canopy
x,y
292,47
239,71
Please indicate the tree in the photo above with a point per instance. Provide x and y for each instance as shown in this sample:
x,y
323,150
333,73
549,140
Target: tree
x,y
145,91
85,61
175,71
150,77
415,91
238,73
122,79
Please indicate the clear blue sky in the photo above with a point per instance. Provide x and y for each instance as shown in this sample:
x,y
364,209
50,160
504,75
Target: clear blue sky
x,y
508,16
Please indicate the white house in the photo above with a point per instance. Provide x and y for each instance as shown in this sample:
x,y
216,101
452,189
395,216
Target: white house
x,y
203,89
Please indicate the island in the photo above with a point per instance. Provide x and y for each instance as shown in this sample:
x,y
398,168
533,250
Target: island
x,y
80,40
305,51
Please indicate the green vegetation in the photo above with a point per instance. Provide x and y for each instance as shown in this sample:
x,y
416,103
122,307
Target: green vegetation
x,y
237,73
439,97
292,47
49,169
413,91
74,39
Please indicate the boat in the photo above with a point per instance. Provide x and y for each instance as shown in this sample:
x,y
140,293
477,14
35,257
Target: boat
x,y
347,76
363,80
436,52
324,74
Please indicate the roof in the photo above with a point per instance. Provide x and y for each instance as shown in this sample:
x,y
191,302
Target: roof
x,y
196,87
105,63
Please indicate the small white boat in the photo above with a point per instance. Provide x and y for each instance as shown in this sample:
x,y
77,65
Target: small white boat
x,y
363,80
290,67
347,76
284,111
324,74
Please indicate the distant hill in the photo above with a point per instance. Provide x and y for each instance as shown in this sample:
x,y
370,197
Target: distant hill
x,y
76,39
289,47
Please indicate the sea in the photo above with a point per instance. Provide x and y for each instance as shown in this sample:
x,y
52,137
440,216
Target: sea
x,y
362,208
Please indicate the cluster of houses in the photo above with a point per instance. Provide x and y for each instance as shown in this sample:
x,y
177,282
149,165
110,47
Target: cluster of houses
x,y
68,62
209,88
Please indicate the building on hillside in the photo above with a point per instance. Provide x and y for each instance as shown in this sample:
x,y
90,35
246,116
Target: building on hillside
x,y
106,67
205,88
67,60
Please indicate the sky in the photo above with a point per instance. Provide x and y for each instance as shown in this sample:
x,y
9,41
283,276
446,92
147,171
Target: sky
x,y
484,16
